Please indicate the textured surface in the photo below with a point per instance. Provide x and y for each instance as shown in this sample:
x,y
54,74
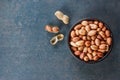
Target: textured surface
x,y
25,51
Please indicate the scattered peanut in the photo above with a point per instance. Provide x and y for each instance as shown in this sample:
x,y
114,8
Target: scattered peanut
x,y
62,17
52,29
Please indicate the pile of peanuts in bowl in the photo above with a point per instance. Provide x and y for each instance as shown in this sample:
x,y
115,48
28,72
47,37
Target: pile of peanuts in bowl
x,y
90,40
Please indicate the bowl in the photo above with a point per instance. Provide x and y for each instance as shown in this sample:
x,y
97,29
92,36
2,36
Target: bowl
x,y
105,53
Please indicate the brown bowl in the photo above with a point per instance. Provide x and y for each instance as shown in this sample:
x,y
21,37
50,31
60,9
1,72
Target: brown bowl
x,y
106,53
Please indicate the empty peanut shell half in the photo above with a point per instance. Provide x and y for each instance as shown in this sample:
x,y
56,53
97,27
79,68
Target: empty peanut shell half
x,y
54,40
60,37
57,38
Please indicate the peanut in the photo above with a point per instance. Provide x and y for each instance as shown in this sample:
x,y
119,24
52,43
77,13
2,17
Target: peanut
x,y
107,33
94,47
96,22
84,38
52,29
77,32
100,54
88,38
92,33
86,58
73,44
80,43
95,58
89,50
87,28
102,42
59,15
82,32
48,28
97,42
109,40
89,56
93,37
65,19
84,23
77,53
100,24
73,34
55,29
93,26
87,43
82,55
104,28
98,29
101,33
75,39
92,42
77,27
94,53
62,17
101,50
74,48
80,48
103,46
99,37
85,50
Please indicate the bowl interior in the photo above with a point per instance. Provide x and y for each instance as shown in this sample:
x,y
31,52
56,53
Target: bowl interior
x,y
106,54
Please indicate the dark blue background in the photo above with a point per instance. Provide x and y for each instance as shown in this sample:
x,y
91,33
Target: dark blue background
x,y
25,51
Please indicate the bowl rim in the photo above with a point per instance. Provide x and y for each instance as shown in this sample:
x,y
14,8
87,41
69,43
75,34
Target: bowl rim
x,y
90,19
